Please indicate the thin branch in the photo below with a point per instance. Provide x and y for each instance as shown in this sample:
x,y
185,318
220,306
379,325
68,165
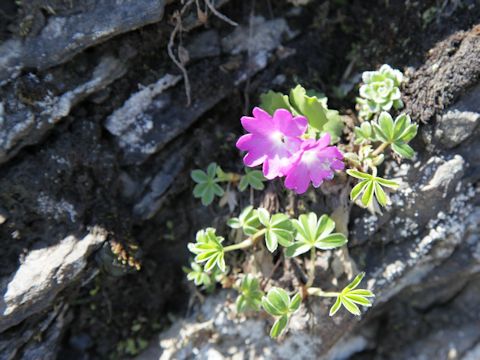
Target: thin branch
x,y
171,44
219,14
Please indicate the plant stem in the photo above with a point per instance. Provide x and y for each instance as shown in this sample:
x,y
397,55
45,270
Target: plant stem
x,y
380,149
252,240
319,292
241,245
311,270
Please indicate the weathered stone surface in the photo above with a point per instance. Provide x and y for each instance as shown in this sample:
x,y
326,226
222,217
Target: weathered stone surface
x,y
42,275
65,36
161,115
452,67
460,121
25,121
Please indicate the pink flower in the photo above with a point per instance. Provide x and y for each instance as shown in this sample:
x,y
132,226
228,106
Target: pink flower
x,y
315,161
271,140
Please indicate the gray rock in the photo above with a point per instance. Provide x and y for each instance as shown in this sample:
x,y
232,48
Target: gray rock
x,y
130,123
42,275
24,124
264,36
459,121
206,44
65,36
455,126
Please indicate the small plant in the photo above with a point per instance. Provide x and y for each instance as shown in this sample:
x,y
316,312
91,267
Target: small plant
x,y
250,294
379,92
208,187
277,303
291,137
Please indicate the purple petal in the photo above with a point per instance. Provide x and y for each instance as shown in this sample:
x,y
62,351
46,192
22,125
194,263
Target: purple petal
x,y
324,141
297,178
289,125
253,159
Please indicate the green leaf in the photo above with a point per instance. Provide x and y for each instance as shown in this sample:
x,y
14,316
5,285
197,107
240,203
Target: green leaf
x,y
252,178
272,101
325,225
207,186
332,241
334,125
297,248
368,194
295,303
387,183
279,326
357,299
361,292
199,176
309,106
355,281
212,170
314,233
250,297
278,231
349,305
404,150
358,189
380,195
209,250
379,134
263,216
409,133
276,302
350,297
335,307
234,223
401,123
359,175
386,124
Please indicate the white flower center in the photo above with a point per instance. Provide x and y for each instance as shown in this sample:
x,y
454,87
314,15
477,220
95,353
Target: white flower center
x,y
309,157
278,137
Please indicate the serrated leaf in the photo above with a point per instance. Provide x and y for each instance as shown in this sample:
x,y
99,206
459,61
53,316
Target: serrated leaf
x,y
310,107
272,101
334,125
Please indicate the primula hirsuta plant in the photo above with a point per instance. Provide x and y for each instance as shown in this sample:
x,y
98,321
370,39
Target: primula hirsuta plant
x,y
296,138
